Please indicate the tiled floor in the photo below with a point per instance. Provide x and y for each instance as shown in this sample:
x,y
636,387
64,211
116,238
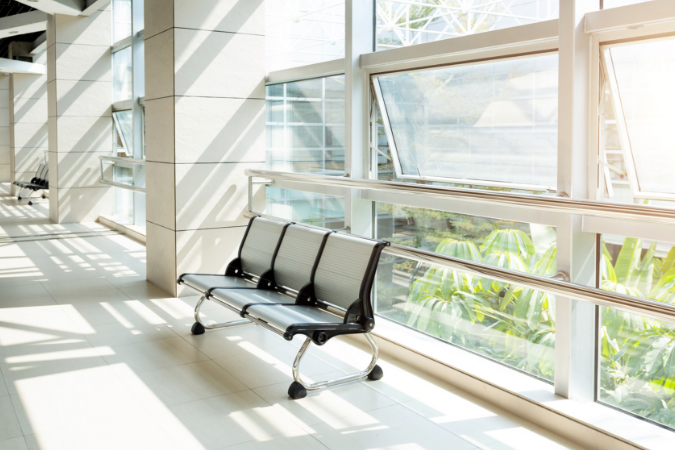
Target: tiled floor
x,y
94,357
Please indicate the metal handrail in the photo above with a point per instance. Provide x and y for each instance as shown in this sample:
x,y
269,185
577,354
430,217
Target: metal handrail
x,y
121,159
552,204
121,185
553,285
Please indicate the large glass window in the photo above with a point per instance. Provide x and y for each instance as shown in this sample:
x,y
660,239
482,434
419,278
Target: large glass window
x,y
326,211
306,126
491,124
401,23
504,322
639,153
122,75
637,354
300,32
121,19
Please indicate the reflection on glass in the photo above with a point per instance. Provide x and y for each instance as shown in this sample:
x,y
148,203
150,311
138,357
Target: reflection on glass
x,y
306,207
305,126
495,121
124,204
121,19
401,23
637,354
123,133
644,74
507,323
301,32
122,78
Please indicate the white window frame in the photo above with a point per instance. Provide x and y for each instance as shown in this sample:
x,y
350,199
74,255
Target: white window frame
x,y
580,176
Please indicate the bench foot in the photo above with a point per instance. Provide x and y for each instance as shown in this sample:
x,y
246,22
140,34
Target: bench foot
x,y
376,373
297,391
373,371
200,326
197,329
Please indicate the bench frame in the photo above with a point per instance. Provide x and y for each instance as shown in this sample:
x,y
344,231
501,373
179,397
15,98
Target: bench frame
x,y
356,320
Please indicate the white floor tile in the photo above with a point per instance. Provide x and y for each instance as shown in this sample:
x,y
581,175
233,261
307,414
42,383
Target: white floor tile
x,y
393,427
233,419
279,442
9,422
14,444
239,340
153,355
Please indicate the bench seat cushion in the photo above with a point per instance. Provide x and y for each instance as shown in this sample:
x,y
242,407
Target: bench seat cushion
x,y
238,298
283,316
203,282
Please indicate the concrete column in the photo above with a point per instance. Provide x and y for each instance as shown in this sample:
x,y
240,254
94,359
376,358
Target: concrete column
x,y
80,120
205,90
28,116
5,158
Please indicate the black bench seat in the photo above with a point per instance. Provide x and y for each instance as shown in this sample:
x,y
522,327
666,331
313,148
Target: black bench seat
x,y
310,281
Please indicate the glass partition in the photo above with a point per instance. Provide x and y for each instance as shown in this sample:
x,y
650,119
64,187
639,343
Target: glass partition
x,y
490,124
325,211
121,19
507,323
401,23
306,126
122,75
637,354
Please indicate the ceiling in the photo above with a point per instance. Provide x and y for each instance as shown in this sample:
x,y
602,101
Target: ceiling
x,y
10,8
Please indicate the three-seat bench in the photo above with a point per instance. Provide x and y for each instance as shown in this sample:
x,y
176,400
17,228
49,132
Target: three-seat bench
x,y
40,182
295,279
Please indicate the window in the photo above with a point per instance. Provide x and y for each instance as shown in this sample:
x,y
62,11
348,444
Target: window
x,y
401,23
122,75
301,32
509,324
121,19
306,126
305,207
637,354
606,4
123,136
490,124
638,117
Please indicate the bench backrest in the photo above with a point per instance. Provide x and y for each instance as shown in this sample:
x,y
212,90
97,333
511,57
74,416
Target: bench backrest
x,y
346,270
259,244
39,174
297,255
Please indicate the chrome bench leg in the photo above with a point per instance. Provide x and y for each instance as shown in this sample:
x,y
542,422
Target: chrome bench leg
x,y
299,388
200,327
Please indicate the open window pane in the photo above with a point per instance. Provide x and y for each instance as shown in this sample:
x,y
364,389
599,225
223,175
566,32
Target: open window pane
x,y
506,323
124,133
637,354
401,23
644,74
491,123
306,126
301,32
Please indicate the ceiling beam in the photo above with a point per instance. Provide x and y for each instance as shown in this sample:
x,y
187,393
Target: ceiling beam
x,y
15,66
25,23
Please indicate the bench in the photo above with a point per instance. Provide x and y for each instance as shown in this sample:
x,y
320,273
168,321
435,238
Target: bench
x,y
40,182
294,279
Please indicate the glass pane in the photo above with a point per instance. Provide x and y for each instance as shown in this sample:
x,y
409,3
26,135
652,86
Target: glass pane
x,y
301,32
124,133
644,73
496,121
637,364
305,126
507,323
305,207
124,203
121,19
122,75
401,23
